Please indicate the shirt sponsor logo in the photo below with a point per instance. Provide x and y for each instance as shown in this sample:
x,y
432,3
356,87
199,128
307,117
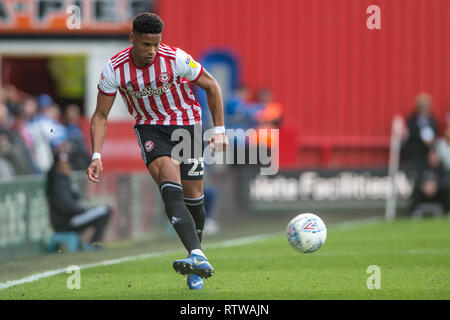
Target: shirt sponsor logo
x,y
191,62
148,91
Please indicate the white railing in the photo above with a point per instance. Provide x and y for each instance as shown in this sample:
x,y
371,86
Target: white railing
x,y
394,161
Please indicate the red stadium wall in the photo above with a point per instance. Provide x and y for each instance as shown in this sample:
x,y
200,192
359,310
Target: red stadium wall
x,y
340,83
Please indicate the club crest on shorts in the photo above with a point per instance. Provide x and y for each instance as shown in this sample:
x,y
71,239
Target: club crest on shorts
x,y
164,77
148,145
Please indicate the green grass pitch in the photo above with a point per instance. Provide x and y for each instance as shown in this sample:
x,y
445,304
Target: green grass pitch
x,y
413,256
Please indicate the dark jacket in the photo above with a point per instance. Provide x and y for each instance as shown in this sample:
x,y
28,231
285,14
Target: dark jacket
x,y
18,154
63,199
79,155
414,149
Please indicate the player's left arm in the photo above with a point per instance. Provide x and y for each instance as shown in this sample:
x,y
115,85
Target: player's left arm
x,y
207,82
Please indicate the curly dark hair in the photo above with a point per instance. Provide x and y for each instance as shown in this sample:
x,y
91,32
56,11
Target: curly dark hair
x,y
148,22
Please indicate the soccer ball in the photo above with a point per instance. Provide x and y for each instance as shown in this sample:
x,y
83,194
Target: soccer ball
x,y
306,232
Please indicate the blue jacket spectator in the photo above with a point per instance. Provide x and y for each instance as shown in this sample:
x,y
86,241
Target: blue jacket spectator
x,y
239,113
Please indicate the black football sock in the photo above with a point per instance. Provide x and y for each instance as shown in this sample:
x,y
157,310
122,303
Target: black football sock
x,y
197,209
178,214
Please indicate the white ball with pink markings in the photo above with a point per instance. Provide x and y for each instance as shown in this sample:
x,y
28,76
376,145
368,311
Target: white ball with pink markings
x,y
306,232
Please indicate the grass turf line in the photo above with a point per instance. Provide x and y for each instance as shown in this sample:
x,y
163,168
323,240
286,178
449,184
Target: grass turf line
x,y
414,257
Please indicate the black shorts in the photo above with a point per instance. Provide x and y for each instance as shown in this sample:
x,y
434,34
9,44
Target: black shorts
x,y
182,143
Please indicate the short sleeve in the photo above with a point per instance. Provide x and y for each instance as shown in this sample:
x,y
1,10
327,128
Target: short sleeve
x,y
187,67
107,83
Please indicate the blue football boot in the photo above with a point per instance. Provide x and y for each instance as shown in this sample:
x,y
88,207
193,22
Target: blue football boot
x,y
194,282
195,264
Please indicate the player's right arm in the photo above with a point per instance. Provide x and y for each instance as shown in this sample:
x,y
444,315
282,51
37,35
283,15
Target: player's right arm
x,y
98,130
107,89
187,68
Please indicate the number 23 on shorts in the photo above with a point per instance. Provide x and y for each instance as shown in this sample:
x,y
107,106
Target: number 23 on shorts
x,y
197,166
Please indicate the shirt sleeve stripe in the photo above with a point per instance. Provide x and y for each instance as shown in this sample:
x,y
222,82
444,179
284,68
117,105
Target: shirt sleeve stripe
x,y
199,74
106,93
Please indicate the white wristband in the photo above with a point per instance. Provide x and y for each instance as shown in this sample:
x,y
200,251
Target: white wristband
x,y
220,129
96,155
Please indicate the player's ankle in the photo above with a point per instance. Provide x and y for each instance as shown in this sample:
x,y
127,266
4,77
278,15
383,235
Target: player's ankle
x,y
198,252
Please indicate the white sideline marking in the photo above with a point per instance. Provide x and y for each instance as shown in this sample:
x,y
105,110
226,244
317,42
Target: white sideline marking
x,y
47,274
357,223
226,243
244,240
385,253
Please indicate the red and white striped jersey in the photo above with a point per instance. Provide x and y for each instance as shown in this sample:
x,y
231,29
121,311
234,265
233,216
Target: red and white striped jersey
x,y
158,93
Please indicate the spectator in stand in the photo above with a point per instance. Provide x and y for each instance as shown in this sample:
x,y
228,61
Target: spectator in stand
x,y
11,98
43,126
271,112
240,113
67,211
7,171
19,125
269,116
420,135
78,154
49,118
14,149
41,150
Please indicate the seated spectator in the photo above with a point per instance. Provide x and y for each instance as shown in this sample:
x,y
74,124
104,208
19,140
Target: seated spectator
x,y
433,185
67,212
79,154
